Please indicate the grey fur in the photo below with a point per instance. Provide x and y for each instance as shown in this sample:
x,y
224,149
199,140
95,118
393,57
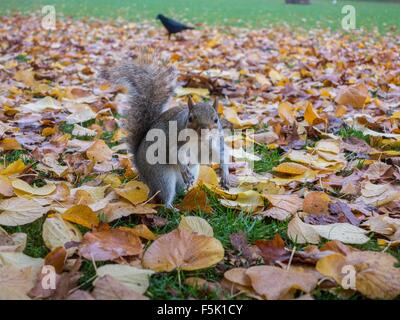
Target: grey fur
x,y
150,85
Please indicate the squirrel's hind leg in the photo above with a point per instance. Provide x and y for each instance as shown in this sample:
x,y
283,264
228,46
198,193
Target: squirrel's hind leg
x,y
164,184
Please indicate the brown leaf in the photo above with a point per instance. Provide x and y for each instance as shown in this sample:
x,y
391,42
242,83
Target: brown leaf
x,y
108,288
109,245
275,283
316,202
183,250
376,276
56,258
354,96
273,250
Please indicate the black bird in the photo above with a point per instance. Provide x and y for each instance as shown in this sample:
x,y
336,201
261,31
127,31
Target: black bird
x,y
172,26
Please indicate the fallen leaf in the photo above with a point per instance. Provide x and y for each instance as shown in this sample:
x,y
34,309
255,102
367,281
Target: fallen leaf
x,y
133,278
57,232
82,215
20,211
99,151
316,202
134,191
197,225
38,191
108,288
195,199
376,276
275,283
183,250
109,245
273,250
354,96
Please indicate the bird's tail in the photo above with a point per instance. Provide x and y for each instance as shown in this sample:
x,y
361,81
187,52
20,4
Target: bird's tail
x,y
150,83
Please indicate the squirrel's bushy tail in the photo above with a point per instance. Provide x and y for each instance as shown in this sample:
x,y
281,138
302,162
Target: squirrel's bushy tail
x,y
150,83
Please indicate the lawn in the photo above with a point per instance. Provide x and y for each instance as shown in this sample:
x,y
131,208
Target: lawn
x,y
249,13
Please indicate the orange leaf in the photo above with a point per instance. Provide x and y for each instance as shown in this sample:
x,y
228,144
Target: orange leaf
x,y
195,199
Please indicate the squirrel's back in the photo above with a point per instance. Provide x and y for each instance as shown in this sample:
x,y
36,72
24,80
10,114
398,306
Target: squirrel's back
x,y
150,83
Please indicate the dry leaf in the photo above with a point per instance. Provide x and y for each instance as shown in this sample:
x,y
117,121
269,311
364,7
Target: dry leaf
x,y
134,191
108,288
184,250
195,199
376,276
133,278
109,245
81,215
275,283
196,224
57,232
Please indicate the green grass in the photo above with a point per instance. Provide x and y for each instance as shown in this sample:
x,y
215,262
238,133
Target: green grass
x,y
35,246
225,222
348,132
243,13
269,158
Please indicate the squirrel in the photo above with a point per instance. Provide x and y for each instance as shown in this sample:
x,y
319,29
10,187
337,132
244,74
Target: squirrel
x,y
150,84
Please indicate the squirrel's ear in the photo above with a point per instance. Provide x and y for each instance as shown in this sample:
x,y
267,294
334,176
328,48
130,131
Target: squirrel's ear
x,y
215,104
190,103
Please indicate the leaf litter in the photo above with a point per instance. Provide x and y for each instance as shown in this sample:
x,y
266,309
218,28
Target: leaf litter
x,y
333,123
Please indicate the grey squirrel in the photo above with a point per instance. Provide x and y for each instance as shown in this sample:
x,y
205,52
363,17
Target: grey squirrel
x,y
150,84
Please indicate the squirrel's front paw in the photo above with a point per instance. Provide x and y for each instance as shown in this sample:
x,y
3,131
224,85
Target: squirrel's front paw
x,y
188,178
225,182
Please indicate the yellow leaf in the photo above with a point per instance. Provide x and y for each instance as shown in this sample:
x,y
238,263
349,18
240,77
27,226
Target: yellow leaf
x,y
196,224
286,112
290,168
192,91
48,131
134,191
10,144
142,231
26,76
231,115
134,278
275,76
17,166
311,116
38,191
82,215
248,201
207,175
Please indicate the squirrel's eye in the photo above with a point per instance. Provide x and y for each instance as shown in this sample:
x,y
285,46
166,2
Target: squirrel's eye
x,y
216,120
190,119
